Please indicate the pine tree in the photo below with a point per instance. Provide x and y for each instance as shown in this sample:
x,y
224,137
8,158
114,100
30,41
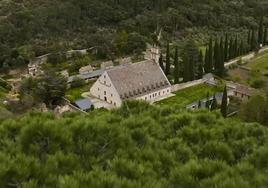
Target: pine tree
x,y
210,55
200,65
206,65
260,32
176,68
224,103
226,48
214,103
167,70
161,64
265,36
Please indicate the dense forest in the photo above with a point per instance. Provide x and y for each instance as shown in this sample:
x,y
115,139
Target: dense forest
x,y
115,27
138,145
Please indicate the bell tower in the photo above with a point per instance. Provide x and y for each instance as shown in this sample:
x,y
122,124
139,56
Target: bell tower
x,y
155,53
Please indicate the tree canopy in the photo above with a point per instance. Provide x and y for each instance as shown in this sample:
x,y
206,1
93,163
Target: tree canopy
x,y
136,146
31,28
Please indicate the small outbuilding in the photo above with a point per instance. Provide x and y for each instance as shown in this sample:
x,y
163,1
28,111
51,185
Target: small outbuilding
x,y
84,104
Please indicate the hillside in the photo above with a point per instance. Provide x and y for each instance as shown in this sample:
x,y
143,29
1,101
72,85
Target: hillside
x,y
135,146
34,28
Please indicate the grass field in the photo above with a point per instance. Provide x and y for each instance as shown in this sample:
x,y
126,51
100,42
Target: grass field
x,y
189,95
74,94
257,74
260,64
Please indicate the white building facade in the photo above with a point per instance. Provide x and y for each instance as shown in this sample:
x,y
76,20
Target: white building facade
x,y
138,81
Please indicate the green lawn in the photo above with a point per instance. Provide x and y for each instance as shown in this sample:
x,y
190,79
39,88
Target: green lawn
x,y
2,92
260,64
189,95
74,94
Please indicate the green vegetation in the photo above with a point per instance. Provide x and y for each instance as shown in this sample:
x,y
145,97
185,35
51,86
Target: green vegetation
x,y
260,63
254,74
135,146
2,92
255,110
74,94
114,28
184,97
48,88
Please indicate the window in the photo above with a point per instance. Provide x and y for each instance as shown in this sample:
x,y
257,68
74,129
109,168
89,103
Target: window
x,y
146,98
168,90
98,89
159,93
111,95
104,92
104,76
104,82
115,103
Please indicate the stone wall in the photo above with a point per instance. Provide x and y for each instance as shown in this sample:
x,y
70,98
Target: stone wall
x,y
178,87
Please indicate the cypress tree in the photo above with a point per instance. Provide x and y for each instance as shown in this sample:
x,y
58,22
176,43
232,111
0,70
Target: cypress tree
x,y
176,66
214,104
167,71
200,65
192,70
249,37
253,45
216,55
230,49
226,48
260,32
206,65
190,59
199,104
241,48
265,36
224,103
210,55
221,69
235,48
161,64
208,102
186,71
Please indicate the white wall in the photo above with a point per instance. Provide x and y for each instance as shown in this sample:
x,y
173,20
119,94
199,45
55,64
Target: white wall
x,y
185,85
104,84
104,90
151,97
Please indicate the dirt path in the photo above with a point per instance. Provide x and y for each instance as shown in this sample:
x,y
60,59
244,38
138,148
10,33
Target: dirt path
x,y
244,58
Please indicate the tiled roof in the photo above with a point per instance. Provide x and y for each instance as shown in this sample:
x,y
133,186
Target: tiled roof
x,y
89,75
245,90
137,79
